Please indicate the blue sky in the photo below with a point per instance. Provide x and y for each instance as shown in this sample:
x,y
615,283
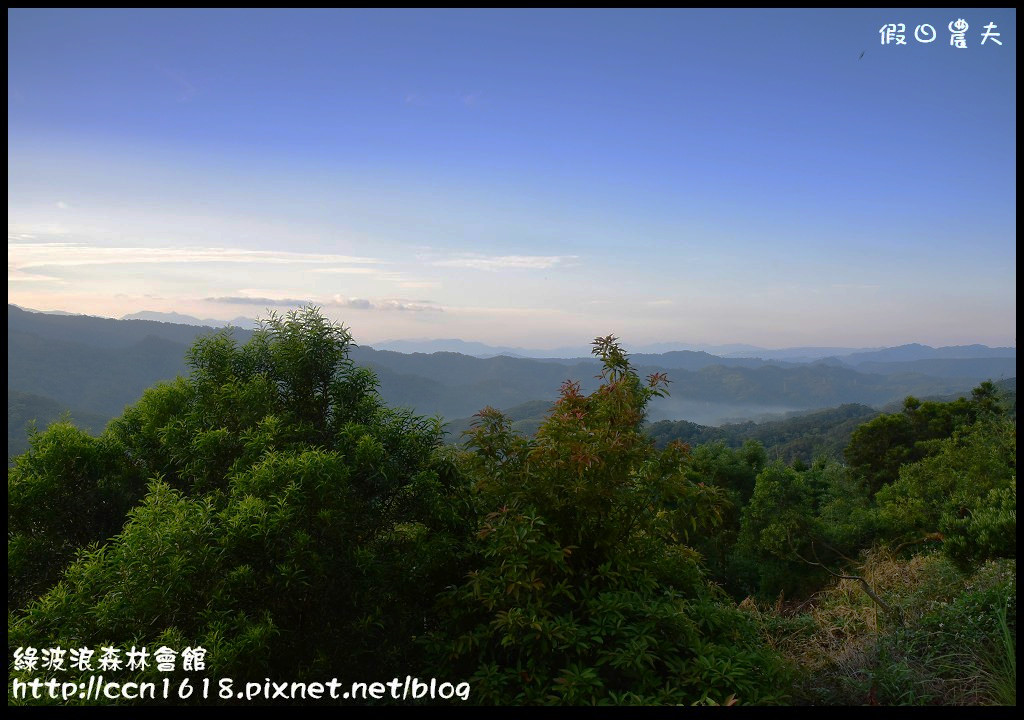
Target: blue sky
x,y
527,177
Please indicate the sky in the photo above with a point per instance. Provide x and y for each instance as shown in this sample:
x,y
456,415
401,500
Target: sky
x,y
521,177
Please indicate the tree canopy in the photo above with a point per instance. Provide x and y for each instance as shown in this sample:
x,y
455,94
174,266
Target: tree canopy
x,y
268,507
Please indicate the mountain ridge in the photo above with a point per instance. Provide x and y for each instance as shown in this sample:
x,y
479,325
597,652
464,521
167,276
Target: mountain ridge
x,y
98,365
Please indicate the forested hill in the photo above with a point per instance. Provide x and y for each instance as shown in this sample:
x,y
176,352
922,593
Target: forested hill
x,y
802,437
95,366
104,332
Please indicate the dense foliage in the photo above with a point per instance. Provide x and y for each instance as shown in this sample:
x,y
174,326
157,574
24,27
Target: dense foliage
x,y
286,520
879,448
271,508
802,436
583,588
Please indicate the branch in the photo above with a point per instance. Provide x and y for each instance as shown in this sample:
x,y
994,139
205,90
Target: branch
x,y
847,559
930,537
864,583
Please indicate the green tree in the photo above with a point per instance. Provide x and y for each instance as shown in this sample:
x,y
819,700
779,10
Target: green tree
x,y
582,587
796,520
735,471
290,523
966,491
777,529
69,490
880,447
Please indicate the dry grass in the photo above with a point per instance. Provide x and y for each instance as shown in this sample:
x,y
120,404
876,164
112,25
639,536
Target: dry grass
x,y
851,651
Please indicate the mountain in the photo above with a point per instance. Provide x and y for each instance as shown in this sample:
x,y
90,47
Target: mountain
x,y
178,318
916,351
1006,390
98,365
103,332
697,360
25,408
805,435
737,352
95,379
526,419
572,352
453,345
46,312
993,368
792,354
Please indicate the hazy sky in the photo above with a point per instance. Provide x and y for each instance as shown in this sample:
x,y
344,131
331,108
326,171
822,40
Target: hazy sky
x,y
533,178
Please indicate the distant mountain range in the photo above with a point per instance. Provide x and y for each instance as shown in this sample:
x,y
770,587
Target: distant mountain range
x,y
479,349
795,355
95,366
465,347
173,317
712,354
166,317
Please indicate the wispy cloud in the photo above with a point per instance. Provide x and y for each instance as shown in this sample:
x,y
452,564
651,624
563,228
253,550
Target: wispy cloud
x,y
386,304
34,255
503,262
354,303
334,301
408,305
15,274
348,270
246,300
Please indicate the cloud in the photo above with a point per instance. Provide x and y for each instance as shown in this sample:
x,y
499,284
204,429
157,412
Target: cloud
x,y
347,270
407,306
246,300
387,304
57,254
354,303
15,274
503,262
61,205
